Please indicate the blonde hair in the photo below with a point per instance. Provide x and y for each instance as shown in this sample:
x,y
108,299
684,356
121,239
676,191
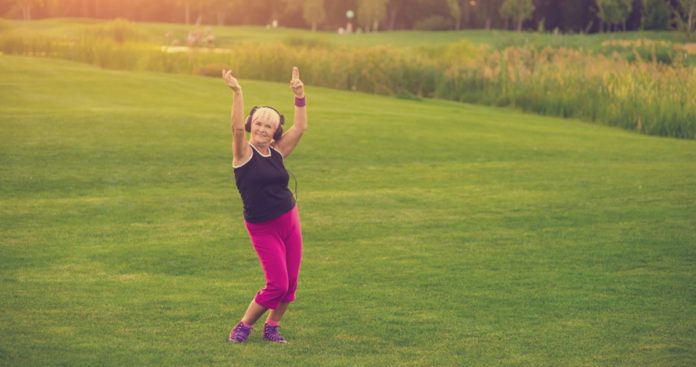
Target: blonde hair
x,y
266,114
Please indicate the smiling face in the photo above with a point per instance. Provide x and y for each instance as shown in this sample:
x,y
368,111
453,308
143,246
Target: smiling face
x,y
264,124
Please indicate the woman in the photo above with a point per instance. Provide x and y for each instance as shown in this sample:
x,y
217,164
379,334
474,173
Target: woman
x,y
270,213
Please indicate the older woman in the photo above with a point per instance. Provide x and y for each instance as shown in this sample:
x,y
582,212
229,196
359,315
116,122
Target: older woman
x,y
270,212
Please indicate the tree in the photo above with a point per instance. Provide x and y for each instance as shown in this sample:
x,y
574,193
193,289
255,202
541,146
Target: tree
x,y
461,11
456,12
576,15
26,6
220,9
371,13
194,8
405,13
393,8
186,4
490,11
656,15
548,15
468,8
517,10
688,11
614,12
313,13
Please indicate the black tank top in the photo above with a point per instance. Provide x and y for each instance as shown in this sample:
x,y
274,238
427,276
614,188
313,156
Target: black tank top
x,y
263,185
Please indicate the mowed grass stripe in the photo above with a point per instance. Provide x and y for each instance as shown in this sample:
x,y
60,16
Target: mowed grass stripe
x,y
436,233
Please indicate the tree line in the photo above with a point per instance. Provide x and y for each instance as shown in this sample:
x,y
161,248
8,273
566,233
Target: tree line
x,y
586,16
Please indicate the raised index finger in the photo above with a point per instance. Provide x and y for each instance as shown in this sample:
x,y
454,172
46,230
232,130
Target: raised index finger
x,y
295,73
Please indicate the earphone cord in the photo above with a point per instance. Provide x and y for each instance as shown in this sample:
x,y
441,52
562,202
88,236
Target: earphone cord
x,y
295,179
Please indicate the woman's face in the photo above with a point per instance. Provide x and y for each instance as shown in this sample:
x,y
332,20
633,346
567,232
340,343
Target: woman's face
x,y
262,130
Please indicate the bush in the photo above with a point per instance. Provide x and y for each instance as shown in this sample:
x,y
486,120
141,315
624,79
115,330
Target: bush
x,y
434,23
211,70
5,26
119,31
657,15
458,52
308,42
663,52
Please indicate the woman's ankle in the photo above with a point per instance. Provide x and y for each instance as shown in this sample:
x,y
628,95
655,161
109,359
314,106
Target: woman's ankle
x,y
246,325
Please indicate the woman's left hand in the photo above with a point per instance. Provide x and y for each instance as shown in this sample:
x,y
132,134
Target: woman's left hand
x,y
296,84
230,80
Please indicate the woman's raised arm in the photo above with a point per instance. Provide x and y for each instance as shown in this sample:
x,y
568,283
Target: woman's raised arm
x,y
240,148
287,143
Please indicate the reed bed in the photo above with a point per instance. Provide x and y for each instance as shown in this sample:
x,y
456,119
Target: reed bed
x,y
648,97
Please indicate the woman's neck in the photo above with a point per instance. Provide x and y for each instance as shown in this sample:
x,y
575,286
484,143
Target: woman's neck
x,y
262,148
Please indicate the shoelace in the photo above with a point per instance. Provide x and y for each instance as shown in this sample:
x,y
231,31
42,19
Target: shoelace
x,y
272,333
241,332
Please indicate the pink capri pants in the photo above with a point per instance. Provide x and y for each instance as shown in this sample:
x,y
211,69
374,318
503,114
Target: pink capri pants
x,y
278,244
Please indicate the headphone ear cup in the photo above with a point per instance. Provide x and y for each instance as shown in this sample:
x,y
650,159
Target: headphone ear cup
x,y
247,124
279,133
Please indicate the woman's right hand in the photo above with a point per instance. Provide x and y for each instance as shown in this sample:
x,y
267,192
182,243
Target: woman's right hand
x,y
230,80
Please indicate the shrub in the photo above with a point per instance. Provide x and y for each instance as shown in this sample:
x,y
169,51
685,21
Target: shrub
x,y
119,31
643,50
308,42
434,23
211,70
5,26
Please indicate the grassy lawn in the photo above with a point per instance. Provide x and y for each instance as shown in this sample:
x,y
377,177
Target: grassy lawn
x,y
436,233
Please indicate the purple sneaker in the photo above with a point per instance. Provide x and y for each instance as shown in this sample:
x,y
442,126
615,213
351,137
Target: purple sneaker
x,y
271,333
239,334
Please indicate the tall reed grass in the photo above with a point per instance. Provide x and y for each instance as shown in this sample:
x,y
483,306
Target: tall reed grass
x,y
641,94
649,97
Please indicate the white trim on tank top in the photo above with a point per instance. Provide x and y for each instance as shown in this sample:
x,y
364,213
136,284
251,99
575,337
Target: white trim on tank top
x,y
261,154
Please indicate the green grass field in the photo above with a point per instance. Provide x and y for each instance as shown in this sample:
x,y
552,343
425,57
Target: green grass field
x,y
436,233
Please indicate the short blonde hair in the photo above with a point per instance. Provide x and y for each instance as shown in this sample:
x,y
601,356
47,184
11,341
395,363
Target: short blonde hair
x,y
266,114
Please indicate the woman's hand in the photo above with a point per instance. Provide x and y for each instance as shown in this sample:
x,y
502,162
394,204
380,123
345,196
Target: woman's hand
x,y
296,84
231,81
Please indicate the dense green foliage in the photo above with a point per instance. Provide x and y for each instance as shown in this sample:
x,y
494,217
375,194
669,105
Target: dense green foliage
x,y
566,16
436,233
658,15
